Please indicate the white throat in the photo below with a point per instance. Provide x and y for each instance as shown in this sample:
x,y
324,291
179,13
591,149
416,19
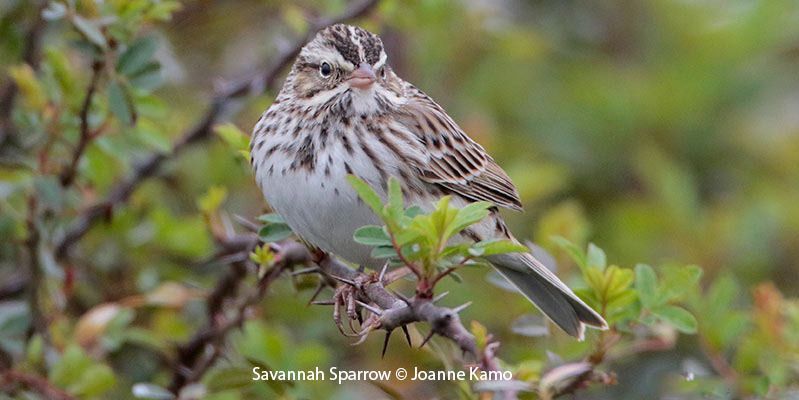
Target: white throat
x,y
364,101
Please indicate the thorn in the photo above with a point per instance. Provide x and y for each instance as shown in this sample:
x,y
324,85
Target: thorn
x,y
316,293
304,271
406,300
427,338
370,308
383,272
345,280
323,303
440,296
461,307
385,344
407,335
245,223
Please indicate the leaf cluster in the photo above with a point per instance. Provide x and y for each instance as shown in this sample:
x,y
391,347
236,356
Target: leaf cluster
x,y
428,243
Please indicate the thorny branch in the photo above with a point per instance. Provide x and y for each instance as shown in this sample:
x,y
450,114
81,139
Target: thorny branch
x,y
388,310
202,130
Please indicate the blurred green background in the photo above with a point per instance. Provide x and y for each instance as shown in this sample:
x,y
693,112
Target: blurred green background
x,y
664,131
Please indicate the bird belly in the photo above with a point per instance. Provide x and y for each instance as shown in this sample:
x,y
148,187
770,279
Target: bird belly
x,y
321,208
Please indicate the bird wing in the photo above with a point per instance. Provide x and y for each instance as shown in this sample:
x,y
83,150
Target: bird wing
x,y
453,160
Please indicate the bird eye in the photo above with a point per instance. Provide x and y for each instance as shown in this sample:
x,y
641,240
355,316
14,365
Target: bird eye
x,y
383,73
325,70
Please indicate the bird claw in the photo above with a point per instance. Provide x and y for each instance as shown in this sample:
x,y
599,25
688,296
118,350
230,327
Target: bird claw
x,y
346,297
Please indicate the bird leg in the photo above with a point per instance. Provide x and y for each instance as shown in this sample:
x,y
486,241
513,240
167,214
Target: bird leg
x,y
346,297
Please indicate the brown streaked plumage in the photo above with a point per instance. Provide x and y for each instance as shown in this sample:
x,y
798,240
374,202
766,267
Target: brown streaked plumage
x,y
342,110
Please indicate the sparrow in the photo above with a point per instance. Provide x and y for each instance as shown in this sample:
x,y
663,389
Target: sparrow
x,y
343,111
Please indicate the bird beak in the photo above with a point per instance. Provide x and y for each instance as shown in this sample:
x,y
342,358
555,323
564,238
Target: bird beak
x,y
363,77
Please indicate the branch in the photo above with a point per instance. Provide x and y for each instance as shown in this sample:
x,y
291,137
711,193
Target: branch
x,y
396,311
34,382
202,130
200,353
32,242
68,175
390,311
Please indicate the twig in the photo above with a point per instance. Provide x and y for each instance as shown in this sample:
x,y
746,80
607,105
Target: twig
x,y
201,131
719,363
38,323
68,175
194,359
34,382
13,286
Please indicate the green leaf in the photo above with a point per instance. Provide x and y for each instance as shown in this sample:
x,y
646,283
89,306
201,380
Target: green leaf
x,y
96,380
466,216
480,333
34,353
413,211
271,218
90,31
617,281
421,229
492,247
119,102
372,235
212,199
677,281
412,234
147,78
441,218
574,251
70,367
678,317
621,300
234,138
624,307
152,138
646,284
32,90
228,378
367,194
274,232
476,251
383,252
458,249
596,280
395,200
596,257
137,56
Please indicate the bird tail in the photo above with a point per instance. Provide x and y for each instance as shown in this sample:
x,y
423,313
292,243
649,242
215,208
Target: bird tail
x,y
548,293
